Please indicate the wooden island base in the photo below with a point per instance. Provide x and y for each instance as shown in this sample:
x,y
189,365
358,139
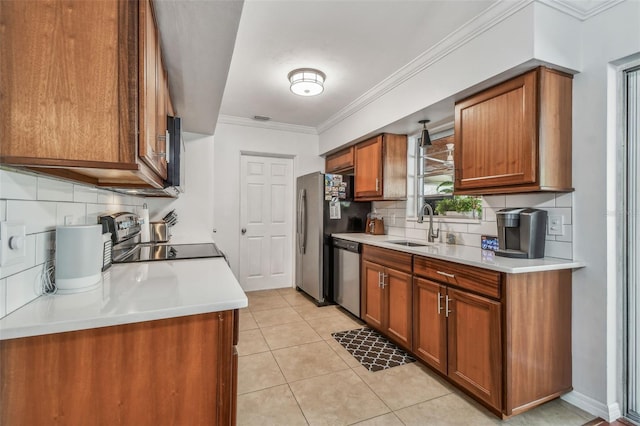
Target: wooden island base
x,y
171,371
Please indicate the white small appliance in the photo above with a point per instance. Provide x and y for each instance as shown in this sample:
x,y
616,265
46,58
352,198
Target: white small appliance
x,y
79,258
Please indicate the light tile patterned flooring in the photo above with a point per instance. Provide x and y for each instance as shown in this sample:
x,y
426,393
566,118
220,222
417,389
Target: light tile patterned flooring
x,y
292,372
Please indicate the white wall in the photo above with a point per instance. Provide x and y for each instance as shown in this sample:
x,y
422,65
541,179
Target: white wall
x,y
230,141
42,204
502,41
195,206
607,37
468,232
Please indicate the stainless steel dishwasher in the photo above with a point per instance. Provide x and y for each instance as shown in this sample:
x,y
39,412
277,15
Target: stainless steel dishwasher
x,y
346,275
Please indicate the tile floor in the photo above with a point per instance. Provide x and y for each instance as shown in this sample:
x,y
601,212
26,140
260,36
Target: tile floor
x,y
292,372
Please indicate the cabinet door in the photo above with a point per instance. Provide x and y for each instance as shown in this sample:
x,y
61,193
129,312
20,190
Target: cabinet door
x,y
373,300
340,161
60,92
430,323
149,87
368,168
496,136
474,345
398,288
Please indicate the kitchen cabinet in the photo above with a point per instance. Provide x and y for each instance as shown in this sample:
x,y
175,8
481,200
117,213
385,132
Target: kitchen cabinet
x,y
172,371
153,109
515,136
458,332
77,91
380,168
341,161
503,338
387,293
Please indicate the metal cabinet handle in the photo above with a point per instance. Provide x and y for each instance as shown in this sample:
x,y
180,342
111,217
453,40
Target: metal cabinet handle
x,y
379,279
446,306
445,274
383,278
440,297
377,184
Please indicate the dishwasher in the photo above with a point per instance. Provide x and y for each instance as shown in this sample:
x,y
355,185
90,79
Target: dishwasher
x,y
346,275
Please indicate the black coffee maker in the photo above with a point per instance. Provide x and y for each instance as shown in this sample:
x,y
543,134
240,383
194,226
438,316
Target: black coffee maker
x,y
521,233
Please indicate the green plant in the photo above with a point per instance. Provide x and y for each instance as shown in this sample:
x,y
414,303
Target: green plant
x,y
460,204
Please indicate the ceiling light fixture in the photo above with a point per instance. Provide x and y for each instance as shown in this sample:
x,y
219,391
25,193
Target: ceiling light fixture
x,y
307,81
425,139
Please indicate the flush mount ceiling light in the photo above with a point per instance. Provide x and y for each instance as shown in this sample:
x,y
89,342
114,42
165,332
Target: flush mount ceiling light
x,y
425,139
307,81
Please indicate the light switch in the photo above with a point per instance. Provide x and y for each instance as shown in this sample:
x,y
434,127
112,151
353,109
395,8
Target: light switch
x,y
555,225
12,243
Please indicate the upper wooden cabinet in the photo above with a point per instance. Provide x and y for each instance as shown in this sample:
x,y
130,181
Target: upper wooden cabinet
x,y
152,77
380,168
340,161
516,136
72,77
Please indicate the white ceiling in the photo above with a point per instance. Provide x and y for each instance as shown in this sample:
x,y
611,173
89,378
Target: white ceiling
x,y
357,43
232,57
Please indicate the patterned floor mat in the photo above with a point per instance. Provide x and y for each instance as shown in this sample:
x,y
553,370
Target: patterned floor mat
x,y
372,350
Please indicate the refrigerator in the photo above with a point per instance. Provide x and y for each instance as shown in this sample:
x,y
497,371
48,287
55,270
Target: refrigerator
x,y
324,206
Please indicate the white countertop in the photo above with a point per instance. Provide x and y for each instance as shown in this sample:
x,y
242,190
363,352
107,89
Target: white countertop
x,y
472,256
129,293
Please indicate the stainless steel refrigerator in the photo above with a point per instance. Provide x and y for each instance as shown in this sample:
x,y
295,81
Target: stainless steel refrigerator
x,y
316,219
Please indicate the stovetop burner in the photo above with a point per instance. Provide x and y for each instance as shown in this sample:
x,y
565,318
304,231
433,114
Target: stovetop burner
x,y
154,252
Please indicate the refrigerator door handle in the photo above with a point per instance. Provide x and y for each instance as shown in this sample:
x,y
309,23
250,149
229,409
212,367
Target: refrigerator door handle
x,y
303,221
298,221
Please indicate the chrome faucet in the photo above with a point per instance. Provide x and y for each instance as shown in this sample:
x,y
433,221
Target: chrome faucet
x,y
431,237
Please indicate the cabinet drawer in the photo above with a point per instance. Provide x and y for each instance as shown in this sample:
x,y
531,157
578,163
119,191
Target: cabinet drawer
x,y
478,280
389,258
340,161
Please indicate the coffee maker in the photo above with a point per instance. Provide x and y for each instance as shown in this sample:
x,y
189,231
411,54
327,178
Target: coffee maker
x,y
521,232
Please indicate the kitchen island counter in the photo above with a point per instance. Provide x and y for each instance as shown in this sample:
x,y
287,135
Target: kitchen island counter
x,y
472,256
131,293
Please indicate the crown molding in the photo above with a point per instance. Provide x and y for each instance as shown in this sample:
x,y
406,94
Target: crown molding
x,y
581,10
492,16
272,125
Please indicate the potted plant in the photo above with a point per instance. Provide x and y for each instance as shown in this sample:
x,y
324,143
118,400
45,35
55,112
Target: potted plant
x,y
460,205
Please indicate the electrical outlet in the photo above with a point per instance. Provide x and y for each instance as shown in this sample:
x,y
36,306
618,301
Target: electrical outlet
x,y
68,220
13,241
555,225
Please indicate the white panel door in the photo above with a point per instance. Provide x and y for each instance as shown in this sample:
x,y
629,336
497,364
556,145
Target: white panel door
x,y
266,220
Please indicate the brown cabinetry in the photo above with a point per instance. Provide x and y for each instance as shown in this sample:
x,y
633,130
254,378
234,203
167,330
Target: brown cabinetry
x,y
153,106
458,332
172,371
380,168
77,91
516,136
503,338
387,288
341,161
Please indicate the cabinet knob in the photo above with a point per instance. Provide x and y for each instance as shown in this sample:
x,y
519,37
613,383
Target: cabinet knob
x,y
243,231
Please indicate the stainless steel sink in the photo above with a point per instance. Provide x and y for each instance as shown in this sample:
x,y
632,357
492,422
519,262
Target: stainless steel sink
x,y
408,243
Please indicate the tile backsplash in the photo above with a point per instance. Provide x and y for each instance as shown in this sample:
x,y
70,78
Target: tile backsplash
x,y
43,203
468,232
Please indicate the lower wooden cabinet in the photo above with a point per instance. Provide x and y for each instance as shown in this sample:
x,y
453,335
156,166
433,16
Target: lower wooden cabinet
x,y
458,334
387,296
172,371
505,339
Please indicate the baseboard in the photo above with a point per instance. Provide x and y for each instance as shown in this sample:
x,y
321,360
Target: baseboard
x,y
609,412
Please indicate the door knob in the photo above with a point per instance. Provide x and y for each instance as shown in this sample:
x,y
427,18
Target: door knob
x,y
243,230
